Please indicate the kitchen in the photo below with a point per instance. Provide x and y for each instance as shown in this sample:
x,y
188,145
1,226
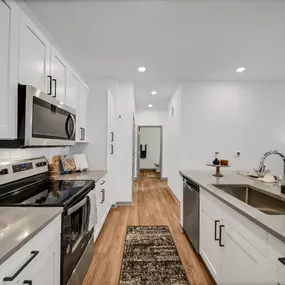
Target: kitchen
x,y
71,92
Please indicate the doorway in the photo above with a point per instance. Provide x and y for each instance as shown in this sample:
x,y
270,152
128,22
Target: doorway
x,y
150,150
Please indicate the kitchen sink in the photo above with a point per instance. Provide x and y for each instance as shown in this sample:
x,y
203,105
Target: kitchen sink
x,y
255,198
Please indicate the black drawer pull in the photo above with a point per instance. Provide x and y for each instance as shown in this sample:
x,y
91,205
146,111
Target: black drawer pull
x,y
102,196
220,238
54,80
103,182
216,223
50,85
28,282
282,260
34,254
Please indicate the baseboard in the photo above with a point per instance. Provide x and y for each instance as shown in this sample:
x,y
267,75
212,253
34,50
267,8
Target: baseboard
x,y
174,196
148,169
124,203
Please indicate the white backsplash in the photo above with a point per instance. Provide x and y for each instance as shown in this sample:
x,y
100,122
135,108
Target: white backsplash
x,y
6,154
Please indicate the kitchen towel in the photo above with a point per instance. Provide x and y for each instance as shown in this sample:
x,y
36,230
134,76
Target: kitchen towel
x,y
93,209
143,152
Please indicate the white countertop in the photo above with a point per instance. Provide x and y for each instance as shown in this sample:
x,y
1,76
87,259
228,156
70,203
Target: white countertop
x,y
275,224
19,224
95,175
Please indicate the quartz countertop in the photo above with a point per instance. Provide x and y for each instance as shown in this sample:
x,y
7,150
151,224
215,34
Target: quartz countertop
x,y
86,175
275,224
19,224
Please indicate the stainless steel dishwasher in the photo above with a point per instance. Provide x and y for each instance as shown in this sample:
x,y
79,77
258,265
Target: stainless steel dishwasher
x,y
191,201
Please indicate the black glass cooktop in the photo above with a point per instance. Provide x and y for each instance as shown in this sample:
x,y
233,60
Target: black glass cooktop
x,y
46,193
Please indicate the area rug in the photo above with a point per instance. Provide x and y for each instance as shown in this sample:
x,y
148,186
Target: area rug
x,y
151,258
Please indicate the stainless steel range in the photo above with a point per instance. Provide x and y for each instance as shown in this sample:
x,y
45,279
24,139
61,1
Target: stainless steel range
x,y
26,183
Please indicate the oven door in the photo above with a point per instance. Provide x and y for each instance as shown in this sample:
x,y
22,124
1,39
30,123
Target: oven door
x,y
75,236
48,121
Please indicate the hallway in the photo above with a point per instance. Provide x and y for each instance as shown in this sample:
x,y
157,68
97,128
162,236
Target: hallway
x,y
153,205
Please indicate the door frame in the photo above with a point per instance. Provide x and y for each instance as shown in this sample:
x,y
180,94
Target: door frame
x,y
161,147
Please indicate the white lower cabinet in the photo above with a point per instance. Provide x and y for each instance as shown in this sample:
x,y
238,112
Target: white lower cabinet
x,y
45,271
38,261
242,263
103,203
230,257
209,249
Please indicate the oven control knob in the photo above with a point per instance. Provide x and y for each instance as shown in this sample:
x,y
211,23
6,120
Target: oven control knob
x,y
4,171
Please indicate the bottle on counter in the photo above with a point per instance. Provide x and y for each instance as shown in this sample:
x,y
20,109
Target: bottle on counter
x,y
216,160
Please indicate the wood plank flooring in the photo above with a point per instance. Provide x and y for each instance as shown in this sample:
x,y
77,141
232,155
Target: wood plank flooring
x,y
153,204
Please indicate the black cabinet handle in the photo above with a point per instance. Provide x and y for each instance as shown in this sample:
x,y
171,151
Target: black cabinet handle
x,y
112,149
34,254
220,238
50,84
216,223
84,134
81,134
282,260
54,80
103,182
28,282
112,136
102,197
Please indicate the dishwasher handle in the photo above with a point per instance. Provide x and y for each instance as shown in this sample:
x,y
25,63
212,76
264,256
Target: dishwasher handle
x,y
191,185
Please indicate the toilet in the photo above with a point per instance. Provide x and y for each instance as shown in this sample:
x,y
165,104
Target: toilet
x,y
157,167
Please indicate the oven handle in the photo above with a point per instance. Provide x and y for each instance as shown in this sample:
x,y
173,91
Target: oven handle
x,y
77,206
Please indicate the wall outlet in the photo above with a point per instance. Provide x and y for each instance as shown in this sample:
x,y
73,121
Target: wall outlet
x,y
238,154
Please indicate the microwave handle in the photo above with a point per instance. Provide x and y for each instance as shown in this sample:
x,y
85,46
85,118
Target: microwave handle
x,y
70,117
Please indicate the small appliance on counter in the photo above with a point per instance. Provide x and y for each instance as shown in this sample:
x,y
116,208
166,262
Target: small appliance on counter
x,y
25,183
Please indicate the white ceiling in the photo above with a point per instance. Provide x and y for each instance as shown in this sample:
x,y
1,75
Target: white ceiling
x,y
175,40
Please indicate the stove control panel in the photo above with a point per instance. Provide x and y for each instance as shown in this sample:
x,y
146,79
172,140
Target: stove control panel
x,y
22,167
4,171
41,164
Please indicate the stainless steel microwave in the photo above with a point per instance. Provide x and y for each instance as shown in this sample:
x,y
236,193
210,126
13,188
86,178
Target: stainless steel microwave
x,y
43,120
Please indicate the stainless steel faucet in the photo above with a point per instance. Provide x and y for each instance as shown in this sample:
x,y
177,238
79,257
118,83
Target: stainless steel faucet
x,y
261,166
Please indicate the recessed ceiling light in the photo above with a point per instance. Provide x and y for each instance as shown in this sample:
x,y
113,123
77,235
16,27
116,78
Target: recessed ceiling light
x,y
141,69
241,69
150,105
153,92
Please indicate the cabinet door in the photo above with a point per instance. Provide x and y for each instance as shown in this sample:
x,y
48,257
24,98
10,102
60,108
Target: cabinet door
x,y
242,263
46,271
82,113
72,90
58,70
9,15
209,246
34,55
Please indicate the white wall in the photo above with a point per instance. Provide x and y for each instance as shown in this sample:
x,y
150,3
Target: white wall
x,y
11,154
155,117
175,122
228,117
150,137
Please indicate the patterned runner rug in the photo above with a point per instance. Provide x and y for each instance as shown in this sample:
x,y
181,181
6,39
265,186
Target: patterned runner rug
x,y
151,258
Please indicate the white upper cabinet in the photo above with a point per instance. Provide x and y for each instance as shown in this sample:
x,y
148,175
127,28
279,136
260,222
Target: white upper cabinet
x,y
58,72
82,113
34,55
72,89
9,17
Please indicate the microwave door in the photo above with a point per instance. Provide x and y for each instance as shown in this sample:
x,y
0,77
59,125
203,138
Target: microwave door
x,y
48,123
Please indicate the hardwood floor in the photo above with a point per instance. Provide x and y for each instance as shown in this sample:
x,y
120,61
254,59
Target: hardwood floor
x,y
153,204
